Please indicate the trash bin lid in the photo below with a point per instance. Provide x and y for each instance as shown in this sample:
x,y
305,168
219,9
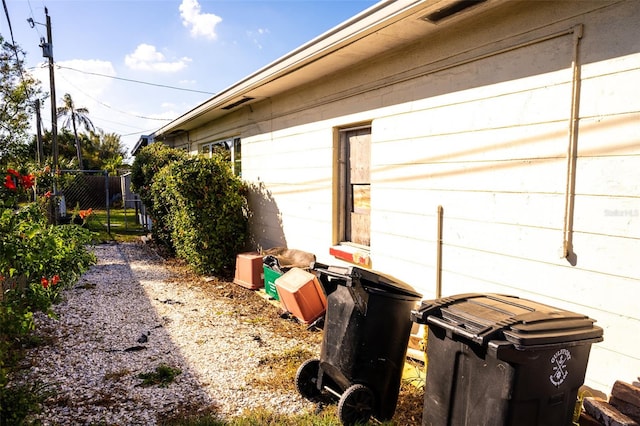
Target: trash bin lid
x,y
375,281
485,317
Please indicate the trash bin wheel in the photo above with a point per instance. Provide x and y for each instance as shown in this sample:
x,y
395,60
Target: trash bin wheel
x,y
356,405
307,378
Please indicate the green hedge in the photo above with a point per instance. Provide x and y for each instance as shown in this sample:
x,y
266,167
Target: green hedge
x,y
200,205
147,164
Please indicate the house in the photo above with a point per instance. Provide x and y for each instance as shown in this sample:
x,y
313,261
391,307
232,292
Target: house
x,y
460,146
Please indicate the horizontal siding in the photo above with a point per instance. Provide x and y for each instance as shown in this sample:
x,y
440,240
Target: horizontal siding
x,y
503,176
610,99
610,135
488,142
538,210
607,215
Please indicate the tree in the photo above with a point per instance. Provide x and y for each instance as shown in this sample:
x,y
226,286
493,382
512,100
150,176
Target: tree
x,y
17,89
74,117
100,150
104,151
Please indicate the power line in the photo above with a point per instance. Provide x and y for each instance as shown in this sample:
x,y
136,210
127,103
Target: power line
x,y
136,81
6,12
112,108
13,44
33,17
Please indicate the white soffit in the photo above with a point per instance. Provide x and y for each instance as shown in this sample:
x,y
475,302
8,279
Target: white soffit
x,y
379,29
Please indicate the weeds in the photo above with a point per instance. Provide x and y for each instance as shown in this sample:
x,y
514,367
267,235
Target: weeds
x,y
162,376
282,369
116,375
17,402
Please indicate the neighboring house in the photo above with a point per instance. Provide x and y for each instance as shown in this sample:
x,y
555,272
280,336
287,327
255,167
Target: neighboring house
x,y
478,146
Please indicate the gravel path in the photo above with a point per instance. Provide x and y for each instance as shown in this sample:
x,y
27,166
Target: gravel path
x,y
129,314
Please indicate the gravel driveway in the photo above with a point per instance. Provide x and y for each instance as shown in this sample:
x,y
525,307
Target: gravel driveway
x,y
133,312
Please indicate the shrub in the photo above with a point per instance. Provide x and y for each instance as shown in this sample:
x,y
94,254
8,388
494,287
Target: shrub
x,y
36,260
207,212
147,164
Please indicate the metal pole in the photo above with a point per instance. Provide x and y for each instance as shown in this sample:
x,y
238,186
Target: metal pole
x,y
439,254
106,191
40,150
48,53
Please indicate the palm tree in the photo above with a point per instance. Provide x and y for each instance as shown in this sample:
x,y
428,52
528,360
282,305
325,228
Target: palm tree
x,y
72,116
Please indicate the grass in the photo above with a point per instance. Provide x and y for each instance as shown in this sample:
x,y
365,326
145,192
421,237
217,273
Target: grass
x,y
283,368
123,225
259,417
162,376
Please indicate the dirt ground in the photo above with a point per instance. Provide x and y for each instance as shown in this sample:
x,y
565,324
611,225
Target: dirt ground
x,y
248,302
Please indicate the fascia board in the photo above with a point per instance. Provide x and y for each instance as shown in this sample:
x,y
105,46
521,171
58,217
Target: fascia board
x,y
368,21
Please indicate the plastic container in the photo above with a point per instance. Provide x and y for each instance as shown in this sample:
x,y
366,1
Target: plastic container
x,y
502,360
249,270
270,277
301,294
277,261
366,331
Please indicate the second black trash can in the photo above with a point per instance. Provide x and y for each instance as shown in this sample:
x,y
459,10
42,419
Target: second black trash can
x,y
503,361
366,332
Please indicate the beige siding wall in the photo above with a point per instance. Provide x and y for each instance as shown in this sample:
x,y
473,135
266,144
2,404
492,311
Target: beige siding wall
x,y
476,120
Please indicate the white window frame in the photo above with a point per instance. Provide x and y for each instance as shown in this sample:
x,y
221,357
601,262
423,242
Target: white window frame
x,y
233,145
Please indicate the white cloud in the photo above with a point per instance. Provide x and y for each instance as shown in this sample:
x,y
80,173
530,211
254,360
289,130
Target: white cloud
x,y
147,58
200,24
256,36
83,79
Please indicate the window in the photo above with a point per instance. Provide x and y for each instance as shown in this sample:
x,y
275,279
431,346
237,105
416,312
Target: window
x,y
229,149
354,186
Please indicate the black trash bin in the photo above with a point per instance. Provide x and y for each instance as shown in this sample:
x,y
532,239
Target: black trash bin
x,y
366,333
501,360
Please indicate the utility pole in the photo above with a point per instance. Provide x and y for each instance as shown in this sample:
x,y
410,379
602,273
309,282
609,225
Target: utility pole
x,y
40,153
47,52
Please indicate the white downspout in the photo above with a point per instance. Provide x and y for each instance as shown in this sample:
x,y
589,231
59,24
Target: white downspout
x,y
569,195
439,254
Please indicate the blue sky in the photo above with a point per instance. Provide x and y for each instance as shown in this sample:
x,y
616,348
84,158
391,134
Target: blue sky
x,y
195,45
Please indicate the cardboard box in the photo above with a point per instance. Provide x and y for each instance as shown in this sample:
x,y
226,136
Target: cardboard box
x,y
249,270
270,277
302,295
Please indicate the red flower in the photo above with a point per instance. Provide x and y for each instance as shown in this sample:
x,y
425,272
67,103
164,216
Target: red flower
x,y
55,279
44,282
9,183
48,194
27,181
13,172
85,213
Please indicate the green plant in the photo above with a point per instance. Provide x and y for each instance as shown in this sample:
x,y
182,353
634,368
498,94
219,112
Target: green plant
x,y
147,164
36,260
17,402
123,226
207,212
283,368
162,376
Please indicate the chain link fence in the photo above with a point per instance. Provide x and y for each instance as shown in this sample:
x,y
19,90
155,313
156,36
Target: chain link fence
x,y
132,202
78,191
81,190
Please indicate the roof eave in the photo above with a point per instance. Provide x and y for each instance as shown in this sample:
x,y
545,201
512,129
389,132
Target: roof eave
x,y
354,28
